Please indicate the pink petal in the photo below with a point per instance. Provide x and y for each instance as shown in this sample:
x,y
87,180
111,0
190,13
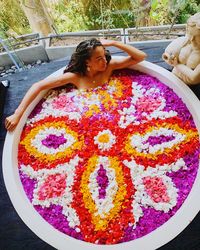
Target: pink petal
x,y
156,189
53,186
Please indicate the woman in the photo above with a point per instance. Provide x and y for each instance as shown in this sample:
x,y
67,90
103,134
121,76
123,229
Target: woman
x,y
90,66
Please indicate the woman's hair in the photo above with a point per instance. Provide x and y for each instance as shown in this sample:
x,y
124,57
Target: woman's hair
x,y
83,52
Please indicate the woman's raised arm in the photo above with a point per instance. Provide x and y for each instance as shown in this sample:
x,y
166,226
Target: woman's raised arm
x,y
48,83
134,55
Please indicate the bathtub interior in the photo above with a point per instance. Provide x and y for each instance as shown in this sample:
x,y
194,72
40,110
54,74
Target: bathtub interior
x,y
59,240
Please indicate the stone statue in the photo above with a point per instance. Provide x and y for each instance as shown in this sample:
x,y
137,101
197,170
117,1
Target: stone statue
x,y
184,53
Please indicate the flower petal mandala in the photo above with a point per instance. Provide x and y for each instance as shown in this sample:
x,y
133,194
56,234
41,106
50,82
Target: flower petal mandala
x,y
110,164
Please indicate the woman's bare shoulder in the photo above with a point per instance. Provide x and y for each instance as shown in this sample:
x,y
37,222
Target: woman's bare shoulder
x,y
70,77
57,81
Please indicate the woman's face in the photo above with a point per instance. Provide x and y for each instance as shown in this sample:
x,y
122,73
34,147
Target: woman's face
x,y
97,61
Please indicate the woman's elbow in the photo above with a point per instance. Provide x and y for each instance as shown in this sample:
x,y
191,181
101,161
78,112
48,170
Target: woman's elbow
x,y
142,57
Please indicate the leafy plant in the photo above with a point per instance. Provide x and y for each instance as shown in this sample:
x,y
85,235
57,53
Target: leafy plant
x,y
109,14
189,9
68,15
12,19
159,12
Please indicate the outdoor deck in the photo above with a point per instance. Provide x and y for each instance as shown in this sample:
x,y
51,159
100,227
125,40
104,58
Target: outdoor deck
x,y
14,234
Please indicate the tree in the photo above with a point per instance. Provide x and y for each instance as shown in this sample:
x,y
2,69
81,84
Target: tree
x,y
38,17
142,10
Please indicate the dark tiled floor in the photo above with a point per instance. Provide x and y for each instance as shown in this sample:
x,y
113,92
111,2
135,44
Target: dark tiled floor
x,y
14,234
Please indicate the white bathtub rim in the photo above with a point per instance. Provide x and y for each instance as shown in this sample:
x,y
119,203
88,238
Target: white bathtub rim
x,y
59,240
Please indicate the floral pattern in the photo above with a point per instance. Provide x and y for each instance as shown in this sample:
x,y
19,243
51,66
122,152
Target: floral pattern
x,y
110,164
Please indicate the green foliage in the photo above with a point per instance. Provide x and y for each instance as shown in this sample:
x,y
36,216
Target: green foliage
x,y
189,9
12,19
68,15
123,19
108,14
166,11
113,19
159,12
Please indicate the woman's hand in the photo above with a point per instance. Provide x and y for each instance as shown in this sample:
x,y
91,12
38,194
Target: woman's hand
x,y
11,122
106,42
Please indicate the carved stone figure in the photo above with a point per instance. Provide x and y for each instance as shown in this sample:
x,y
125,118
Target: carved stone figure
x,y
184,53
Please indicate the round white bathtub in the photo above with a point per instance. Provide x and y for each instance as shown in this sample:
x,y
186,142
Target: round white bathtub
x,y
59,240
